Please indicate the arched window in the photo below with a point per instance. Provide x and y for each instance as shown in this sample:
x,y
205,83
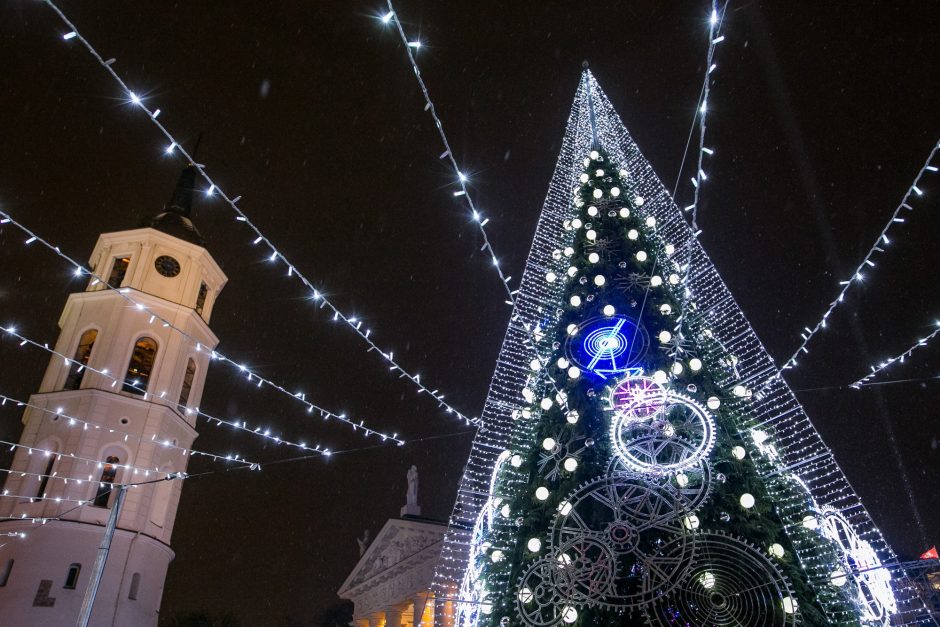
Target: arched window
x,y
140,366
187,384
108,475
44,479
118,271
201,298
71,579
135,587
82,353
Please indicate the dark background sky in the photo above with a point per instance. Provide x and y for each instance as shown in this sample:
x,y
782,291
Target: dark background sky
x,y
821,115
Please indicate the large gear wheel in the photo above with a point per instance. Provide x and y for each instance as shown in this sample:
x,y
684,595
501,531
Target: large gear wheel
x,y
692,495
539,601
729,583
638,522
672,439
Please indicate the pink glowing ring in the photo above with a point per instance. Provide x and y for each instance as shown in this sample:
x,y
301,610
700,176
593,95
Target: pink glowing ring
x,y
638,397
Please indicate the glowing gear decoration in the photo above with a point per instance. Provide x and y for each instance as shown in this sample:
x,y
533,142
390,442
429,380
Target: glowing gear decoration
x,y
607,345
677,436
638,397
874,593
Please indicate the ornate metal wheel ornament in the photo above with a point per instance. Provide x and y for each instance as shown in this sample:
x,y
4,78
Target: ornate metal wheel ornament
x,y
584,570
607,345
538,599
676,437
635,521
874,593
637,397
692,495
729,583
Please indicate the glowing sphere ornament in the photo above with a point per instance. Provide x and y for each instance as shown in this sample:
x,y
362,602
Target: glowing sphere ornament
x,y
575,301
638,201
564,508
713,402
651,221
562,362
609,310
614,191
572,417
691,522
656,281
641,256
670,249
515,461
599,280
541,493
747,500
497,556
665,309
837,578
776,550
594,257
738,452
592,211
633,234
576,223
550,277
591,234
570,464
584,178
597,193
569,251
664,337
695,364
534,545
546,403
548,444
574,372
624,213
569,614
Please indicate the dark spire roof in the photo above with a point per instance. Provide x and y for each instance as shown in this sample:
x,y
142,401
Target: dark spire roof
x,y
175,218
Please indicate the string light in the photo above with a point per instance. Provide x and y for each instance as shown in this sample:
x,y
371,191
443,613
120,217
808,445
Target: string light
x,y
95,462
214,354
896,359
256,431
462,179
241,217
857,276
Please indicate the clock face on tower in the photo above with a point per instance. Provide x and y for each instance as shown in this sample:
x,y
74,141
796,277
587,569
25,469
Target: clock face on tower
x,y
167,266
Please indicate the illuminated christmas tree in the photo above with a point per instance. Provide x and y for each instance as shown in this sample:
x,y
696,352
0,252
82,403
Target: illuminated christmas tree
x,y
640,459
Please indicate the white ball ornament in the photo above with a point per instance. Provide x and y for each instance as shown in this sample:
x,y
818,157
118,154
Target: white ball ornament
x,y
548,444
810,522
572,329
564,508
556,254
665,336
738,452
789,605
623,173
682,479
534,545
562,362
837,578
776,550
638,201
550,277
674,279
574,372
609,310
624,213
594,155
575,301
695,364
594,257
584,178
747,500
641,255
570,464
670,249
592,211
677,368
739,390
598,172
569,614
591,234
546,403
541,493
576,223
656,281
665,309
525,595
597,193
568,251
599,280
691,522
515,461
526,413
535,364
707,580
650,221
572,271
572,417
614,191
496,556
633,234
660,376
505,511
713,402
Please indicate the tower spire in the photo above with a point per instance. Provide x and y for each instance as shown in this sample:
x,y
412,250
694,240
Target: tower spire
x,y
176,217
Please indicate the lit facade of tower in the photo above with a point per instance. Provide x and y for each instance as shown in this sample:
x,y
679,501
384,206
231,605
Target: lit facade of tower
x,y
84,430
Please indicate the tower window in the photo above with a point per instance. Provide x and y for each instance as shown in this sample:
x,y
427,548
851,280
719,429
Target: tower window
x,y
5,572
187,384
71,579
108,475
118,271
135,587
44,480
201,297
140,366
82,353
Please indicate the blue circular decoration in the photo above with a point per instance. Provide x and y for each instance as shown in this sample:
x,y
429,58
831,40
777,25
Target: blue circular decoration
x,y
607,345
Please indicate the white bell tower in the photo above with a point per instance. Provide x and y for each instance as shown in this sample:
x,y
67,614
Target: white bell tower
x,y
137,428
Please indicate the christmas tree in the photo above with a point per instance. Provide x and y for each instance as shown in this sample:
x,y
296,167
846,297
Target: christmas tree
x,y
640,459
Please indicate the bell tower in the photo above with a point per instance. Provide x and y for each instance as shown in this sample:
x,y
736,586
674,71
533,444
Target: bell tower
x,y
84,431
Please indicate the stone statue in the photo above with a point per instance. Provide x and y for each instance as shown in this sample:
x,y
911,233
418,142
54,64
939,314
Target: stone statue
x,y
411,507
363,542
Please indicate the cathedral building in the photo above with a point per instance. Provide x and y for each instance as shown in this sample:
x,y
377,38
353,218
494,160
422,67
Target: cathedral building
x,y
121,410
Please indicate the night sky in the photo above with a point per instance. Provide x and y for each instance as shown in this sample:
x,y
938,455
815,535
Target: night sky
x,y
821,115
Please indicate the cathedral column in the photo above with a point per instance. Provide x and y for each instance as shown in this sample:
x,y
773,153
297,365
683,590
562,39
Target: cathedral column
x,y
375,619
393,616
421,601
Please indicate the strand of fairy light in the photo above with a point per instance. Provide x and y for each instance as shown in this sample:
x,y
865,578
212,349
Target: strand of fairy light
x,y
6,218
239,425
72,421
478,219
99,464
857,276
897,358
260,238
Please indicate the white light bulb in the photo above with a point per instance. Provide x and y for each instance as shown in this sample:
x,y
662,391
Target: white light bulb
x,y
739,390
665,336
609,310
575,301
505,511
568,251
738,452
525,595
676,368
650,221
789,603
574,372
572,271
595,155
682,479
776,550
641,255
572,416
534,545
713,402
624,213
614,191
660,377
546,403
591,234
594,257
535,364
570,614
633,234
707,580
670,249
572,329
810,522
837,578
691,522
674,279
623,173
656,281
515,461
562,362
597,193
583,178
541,493
747,500
548,444
550,277
496,556
576,223
695,364
570,464
592,211
564,508
665,309
599,280
638,201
